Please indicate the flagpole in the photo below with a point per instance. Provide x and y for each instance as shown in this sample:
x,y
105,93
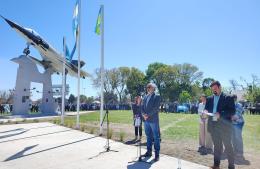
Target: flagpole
x,y
102,69
78,98
63,81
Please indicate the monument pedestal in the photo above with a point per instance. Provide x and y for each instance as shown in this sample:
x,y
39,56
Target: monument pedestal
x,y
27,73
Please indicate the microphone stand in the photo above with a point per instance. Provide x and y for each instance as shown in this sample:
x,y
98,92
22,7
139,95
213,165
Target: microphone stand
x,y
107,121
107,146
140,158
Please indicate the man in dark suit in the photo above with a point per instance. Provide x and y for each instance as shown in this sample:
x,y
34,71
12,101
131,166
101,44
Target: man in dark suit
x,y
150,110
222,108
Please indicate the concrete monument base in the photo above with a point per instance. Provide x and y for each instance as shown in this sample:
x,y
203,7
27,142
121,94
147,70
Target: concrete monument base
x,y
27,73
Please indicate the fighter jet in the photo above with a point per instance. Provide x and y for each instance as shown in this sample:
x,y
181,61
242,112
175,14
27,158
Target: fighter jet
x,y
50,57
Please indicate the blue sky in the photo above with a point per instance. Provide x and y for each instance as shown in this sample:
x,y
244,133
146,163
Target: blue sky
x,y
221,37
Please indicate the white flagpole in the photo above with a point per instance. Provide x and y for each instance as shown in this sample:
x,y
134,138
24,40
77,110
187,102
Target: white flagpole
x,y
102,70
78,99
63,81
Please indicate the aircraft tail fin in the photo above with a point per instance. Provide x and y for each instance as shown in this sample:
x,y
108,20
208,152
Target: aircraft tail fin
x,y
69,55
75,62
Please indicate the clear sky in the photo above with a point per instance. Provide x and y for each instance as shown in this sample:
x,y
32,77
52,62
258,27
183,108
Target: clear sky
x,y
221,37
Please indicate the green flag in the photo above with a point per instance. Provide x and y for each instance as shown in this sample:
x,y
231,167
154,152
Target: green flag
x,y
98,24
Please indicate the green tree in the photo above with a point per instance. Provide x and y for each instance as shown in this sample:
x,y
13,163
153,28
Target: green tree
x,y
206,83
82,98
96,80
188,75
207,92
110,98
135,82
184,97
119,78
196,92
253,89
206,86
5,97
72,98
90,100
154,76
167,75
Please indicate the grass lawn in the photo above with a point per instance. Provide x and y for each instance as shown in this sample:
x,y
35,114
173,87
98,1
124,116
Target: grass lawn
x,y
176,126
179,134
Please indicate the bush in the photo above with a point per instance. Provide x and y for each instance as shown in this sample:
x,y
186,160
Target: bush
x,y
70,125
82,128
122,136
92,130
110,133
36,120
54,121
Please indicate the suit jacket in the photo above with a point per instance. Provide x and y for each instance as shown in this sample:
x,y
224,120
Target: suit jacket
x,y
152,108
226,108
137,110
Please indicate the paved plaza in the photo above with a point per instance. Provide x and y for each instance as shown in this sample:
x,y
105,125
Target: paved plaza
x,y
49,146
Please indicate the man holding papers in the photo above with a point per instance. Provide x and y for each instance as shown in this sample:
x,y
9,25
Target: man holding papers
x,y
220,108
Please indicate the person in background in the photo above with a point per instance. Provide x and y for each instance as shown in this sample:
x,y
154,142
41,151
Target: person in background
x,y
1,109
205,141
150,112
137,116
238,123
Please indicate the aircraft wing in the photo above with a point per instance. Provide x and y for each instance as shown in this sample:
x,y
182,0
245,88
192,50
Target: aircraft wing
x,y
51,58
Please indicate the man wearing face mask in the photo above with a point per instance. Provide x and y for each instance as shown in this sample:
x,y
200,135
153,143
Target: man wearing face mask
x,y
221,107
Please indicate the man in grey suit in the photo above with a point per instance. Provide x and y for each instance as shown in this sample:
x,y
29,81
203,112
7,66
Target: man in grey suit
x,y
150,110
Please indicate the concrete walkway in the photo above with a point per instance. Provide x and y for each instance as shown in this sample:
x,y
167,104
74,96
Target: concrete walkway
x,y
48,146
5,119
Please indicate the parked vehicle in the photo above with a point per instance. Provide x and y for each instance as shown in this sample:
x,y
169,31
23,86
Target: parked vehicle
x,y
182,108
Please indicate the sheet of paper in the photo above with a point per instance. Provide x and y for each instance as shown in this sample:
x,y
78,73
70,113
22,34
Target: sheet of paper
x,y
209,114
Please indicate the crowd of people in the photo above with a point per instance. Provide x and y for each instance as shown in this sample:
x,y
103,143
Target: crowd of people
x,y
34,108
94,106
220,124
5,108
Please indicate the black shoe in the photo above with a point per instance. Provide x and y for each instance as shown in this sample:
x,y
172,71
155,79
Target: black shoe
x,y
199,150
203,151
147,154
157,158
209,151
231,167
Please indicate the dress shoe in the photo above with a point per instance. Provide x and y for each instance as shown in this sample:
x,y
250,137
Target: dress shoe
x,y
157,158
147,154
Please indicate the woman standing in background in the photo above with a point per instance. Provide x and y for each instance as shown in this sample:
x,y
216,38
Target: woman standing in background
x,y
137,116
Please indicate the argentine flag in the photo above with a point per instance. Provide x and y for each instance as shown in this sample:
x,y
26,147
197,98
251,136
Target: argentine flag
x,y
75,29
75,21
